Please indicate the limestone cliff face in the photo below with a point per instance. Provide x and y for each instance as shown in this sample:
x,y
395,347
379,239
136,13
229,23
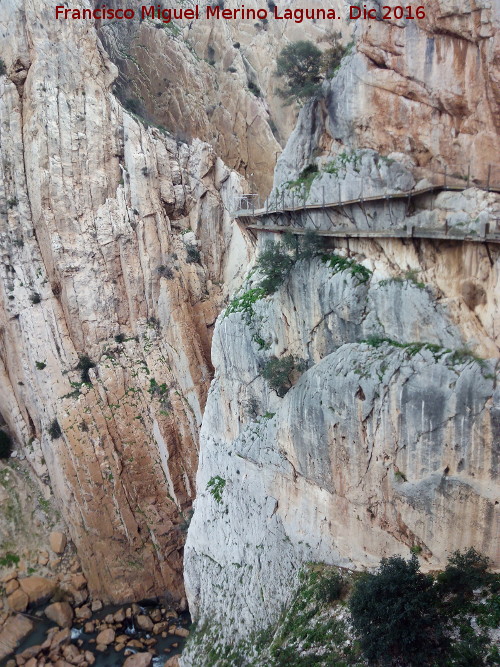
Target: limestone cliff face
x,y
378,447
428,89
214,79
115,243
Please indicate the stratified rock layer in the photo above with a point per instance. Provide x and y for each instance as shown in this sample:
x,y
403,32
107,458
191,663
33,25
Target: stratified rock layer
x,y
427,88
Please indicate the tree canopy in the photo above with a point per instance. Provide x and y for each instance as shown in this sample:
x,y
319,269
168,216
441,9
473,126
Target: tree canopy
x,y
303,66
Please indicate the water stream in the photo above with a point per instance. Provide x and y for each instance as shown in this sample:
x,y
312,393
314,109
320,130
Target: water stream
x,y
164,647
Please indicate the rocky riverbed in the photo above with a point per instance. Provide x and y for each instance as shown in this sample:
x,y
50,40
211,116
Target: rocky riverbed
x,y
135,635
53,620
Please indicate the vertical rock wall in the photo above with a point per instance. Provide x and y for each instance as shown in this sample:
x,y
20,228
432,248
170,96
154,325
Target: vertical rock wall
x,y
116,243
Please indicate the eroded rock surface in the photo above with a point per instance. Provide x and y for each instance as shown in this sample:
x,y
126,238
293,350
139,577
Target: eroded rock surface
x,y
387,441
114,245
376,449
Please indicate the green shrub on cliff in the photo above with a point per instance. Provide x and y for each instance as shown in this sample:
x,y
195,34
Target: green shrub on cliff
x,y
85,363
280,373
3,68
299,64
464,573
303,67
394,613
54,430
215,487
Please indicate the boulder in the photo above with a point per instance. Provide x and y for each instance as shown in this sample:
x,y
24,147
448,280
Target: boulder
x,y
14,630
38,589
89,627
60,638
158,628
89,657
96,605
138,660
58,542
30,652
78,581
119,616
106,637
80,596
155,615
144,623
43,558
181,632
61,613
11,586
83,613
18,600
72,654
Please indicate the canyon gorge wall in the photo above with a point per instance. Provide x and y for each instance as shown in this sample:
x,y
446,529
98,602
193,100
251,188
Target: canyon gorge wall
x,y
214,79
115,251
119,252
388,439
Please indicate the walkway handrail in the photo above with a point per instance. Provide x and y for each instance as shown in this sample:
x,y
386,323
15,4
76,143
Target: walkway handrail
x,y
250,204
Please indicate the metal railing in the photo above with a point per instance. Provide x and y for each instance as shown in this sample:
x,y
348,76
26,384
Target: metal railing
x,y
286,201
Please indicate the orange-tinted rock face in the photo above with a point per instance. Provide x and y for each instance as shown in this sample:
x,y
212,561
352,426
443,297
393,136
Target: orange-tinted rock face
x,y
432,88
214,79
114,243
428,89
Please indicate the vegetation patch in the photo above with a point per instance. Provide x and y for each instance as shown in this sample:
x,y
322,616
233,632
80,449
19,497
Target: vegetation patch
x,y
215,487
396,616
339,263
193,255
275,263
302,67
244,303
304,181
278,258
409,276
453,358
9,559
404,617
85,363
54,430
340,163
280,373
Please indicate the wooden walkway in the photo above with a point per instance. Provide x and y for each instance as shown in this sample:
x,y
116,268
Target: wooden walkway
x,y
264,219
394,233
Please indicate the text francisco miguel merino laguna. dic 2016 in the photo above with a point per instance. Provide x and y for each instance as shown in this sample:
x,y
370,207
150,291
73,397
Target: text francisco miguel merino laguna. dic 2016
x,y
192,13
